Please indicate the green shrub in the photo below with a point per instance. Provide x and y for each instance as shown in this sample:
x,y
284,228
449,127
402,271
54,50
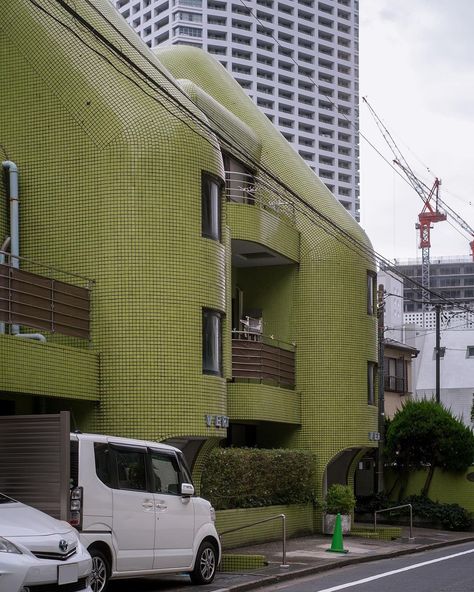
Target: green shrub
x,y
371,503
339,499
436,514
449,516
254,477
426,434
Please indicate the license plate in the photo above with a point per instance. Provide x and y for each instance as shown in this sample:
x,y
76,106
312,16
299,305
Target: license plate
x,y
68,574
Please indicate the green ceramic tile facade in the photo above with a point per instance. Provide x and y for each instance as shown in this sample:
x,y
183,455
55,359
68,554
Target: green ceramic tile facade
x,y
383,533
448,488
236,562
261,402
334,335
110,188
250,223
110,183
299,522
47,369
271,289
227,123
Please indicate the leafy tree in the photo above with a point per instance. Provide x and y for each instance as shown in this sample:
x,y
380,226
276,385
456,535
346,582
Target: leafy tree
x,y
425,433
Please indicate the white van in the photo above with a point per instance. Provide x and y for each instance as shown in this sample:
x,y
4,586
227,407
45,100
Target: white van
x,y
133,503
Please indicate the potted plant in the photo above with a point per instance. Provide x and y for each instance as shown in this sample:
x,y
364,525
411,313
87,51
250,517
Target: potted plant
x,y
339,500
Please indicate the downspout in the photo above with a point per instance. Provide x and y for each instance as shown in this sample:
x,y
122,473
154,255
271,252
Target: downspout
x,y
12,169
14,215
3,248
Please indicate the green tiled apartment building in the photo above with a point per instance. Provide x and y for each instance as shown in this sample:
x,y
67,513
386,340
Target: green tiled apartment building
x,y
192,277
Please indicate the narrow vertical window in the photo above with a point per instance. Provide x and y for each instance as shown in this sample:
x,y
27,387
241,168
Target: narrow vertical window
x,y
371,281
211,207
211,342
371,370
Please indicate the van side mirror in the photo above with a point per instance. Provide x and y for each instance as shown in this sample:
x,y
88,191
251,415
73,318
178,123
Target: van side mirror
x,y
187,489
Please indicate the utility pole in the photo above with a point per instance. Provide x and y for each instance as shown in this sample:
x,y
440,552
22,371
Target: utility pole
x,y
381,390
438,351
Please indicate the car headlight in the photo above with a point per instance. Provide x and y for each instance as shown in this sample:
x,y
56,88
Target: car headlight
x,y
7,547
213,514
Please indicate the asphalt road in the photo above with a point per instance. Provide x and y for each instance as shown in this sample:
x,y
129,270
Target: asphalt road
x,y
450,569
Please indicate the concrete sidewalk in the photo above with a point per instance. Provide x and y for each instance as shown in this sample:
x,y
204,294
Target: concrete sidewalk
x,y
305,556
308,555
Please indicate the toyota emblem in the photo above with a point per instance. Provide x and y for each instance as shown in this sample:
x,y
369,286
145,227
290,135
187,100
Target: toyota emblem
x,y
63,545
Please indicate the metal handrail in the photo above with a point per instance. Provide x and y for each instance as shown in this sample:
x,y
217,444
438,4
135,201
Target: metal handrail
x,y
8,258
268,339
283,518
411,538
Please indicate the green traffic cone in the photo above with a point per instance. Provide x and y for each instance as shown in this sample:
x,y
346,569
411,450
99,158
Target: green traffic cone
x,y
337,545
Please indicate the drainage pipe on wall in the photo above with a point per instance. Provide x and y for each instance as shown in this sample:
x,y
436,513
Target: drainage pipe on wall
x,y
3,248
12,169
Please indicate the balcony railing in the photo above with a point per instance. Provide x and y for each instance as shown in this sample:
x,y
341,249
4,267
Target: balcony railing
x,y
395,384
256,357
42,301
249,189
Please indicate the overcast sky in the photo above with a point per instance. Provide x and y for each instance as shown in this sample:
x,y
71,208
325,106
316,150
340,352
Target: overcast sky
x,y
416,70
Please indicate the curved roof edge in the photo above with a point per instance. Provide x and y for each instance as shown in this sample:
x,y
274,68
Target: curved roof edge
x,y
277,155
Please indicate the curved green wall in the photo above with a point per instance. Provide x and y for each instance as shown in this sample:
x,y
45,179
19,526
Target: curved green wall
x,y
110,187
328,318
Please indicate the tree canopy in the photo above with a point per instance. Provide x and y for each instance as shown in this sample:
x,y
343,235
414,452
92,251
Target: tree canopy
x,y
426,434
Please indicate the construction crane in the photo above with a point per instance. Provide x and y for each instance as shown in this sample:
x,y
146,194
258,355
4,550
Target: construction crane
x,y
434,208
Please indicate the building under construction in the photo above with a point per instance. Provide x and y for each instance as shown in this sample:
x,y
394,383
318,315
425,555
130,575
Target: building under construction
x,y
450,277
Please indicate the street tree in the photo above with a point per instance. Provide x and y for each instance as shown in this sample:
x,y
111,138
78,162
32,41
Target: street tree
x,y
424,434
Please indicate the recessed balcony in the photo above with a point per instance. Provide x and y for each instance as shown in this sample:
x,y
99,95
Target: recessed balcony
x,y
248,189
262,219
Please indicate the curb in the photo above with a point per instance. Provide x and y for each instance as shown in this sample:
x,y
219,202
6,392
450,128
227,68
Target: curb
x,y
306,571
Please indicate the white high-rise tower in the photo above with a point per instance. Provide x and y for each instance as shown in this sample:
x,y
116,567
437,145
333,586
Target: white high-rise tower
x,y
297,59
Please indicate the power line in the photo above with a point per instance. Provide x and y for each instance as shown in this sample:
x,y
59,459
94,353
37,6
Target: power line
x,y
324,222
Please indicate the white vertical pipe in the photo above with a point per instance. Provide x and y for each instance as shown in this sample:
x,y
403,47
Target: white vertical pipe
x,y
14,220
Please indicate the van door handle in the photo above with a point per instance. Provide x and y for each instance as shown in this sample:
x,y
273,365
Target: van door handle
x,y
161,506
147,504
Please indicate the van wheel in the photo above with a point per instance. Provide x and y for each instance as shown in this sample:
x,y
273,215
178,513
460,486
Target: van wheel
x,y
205,565
100,570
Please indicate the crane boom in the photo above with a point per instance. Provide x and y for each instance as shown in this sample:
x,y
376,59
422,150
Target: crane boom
x,y
434,208
421,188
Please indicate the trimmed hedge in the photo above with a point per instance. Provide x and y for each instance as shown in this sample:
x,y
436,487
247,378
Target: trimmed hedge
x,y
254,477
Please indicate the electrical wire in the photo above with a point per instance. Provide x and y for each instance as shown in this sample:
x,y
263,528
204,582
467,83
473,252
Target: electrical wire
x,y
255,17
323,221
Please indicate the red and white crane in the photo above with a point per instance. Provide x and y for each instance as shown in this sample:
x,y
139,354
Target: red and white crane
x,y
434,208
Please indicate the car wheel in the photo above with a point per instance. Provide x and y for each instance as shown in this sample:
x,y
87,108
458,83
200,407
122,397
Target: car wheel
x,y
205,565
100,570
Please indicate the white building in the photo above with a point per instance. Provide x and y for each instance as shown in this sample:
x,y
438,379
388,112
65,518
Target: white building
x,y
393,300
297,59
459,319
456,368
